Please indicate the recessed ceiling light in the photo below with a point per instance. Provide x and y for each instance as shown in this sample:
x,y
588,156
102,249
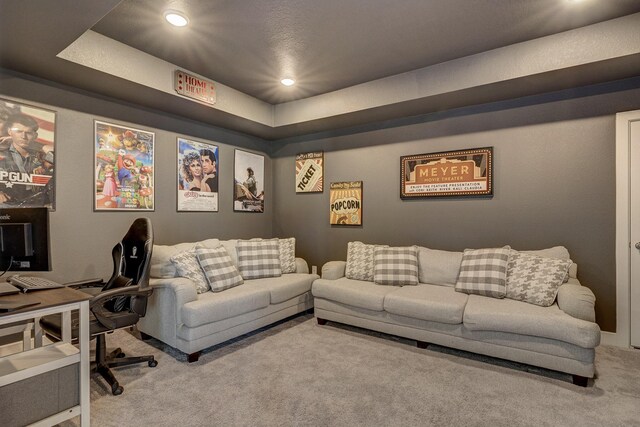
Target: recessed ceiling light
x,y
287,82
175,18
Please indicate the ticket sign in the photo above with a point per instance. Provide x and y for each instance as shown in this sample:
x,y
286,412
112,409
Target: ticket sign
x,y
194,87
452,173
309,172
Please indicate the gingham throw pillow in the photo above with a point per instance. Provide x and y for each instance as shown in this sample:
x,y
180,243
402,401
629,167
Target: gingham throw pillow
x,y
218,268
259,258
360,261
187,266
287,248
395,266
484,272
535,279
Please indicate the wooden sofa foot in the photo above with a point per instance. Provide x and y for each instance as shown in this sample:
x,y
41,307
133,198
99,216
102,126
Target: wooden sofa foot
x,y
422,344
321,321
193,357
581,381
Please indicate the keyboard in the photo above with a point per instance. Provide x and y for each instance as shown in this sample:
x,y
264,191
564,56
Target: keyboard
x,y
31,283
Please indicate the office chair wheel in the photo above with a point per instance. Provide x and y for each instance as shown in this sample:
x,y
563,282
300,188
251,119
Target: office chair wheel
x,y
153,363
120,355
117,389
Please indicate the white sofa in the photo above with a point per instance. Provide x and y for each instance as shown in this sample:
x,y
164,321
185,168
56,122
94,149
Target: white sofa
x,y
190,322
560,337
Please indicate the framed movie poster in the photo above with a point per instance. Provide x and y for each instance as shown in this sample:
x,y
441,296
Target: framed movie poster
x,y
248,172
345,203
124,172
197,176
27,146
309,172
458,173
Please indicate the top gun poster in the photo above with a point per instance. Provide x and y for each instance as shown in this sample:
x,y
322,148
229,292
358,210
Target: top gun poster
x,y
123,168
27,139
452,173
309,172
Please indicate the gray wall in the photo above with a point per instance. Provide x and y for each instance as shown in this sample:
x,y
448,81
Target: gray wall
x,y
554,179
554,182
81,239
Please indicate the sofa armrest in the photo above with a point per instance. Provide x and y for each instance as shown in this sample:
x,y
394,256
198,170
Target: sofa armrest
x,y
164,307
577,301
302,266
333,270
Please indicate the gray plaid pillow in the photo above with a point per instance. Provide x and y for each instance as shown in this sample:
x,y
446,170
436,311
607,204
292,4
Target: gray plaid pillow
x,y
484,272
187,266
259,258
287,249
360,261
218,268
395,266
535,279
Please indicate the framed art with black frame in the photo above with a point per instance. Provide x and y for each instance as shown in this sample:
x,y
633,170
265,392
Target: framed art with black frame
x,y
459,173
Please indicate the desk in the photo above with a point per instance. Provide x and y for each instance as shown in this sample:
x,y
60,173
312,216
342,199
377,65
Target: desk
x,y
20,366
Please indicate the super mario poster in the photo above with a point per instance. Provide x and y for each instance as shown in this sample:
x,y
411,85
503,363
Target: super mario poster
x,y
27,139
123,168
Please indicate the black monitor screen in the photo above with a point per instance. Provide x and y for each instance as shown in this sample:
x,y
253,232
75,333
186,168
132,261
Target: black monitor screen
x,y
24,239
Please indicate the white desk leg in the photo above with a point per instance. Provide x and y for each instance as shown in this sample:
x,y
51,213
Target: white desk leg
x,y
26,337
84,363
66,326
37,333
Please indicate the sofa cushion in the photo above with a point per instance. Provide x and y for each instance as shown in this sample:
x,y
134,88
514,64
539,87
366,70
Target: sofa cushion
x,y
214,306
287,249
360,261
285,287
438,267
161,265
218,268
396,266
577,301
357,293
506,315
187,265
427,302
259,258
535,279
484,272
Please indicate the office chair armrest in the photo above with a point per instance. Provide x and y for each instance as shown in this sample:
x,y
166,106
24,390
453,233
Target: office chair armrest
x,y
86,283
97,303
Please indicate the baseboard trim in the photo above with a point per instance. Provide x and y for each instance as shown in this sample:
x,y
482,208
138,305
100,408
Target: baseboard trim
x,y
614,339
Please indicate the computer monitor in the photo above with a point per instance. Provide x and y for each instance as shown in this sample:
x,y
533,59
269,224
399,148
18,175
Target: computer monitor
x,y
24,239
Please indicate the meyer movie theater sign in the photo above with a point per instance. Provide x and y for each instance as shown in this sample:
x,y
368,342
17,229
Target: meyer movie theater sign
x,y
450,173
194,87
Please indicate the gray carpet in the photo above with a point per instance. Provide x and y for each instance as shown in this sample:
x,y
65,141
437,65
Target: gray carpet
x,y
297,373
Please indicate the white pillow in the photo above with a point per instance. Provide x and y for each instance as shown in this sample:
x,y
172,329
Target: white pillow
x,y
287,248
484,272
219,270
396,266
259,258
187,265
535,279
360,261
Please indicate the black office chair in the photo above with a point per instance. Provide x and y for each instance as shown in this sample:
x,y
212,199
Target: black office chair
x,y
118,303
